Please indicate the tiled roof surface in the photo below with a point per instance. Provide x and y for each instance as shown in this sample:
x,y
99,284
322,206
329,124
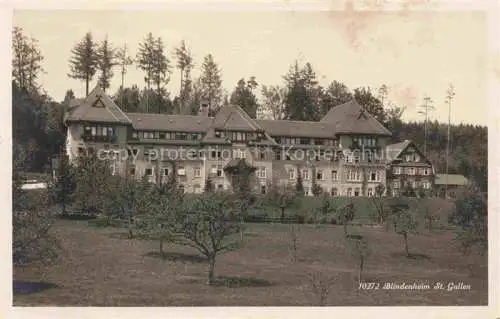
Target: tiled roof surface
x,y
108,111
297,128
451,179
149,121
350,117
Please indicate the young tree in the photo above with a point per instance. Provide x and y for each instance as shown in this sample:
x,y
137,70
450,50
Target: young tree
x,y
273,104
204,224
346,215
320,284
293,241
26,60
471,218
316,189
106,61
359,250
65,183
327,208
94,182
380,204
211,83
244,97
84,61
32,239
161,206
405,222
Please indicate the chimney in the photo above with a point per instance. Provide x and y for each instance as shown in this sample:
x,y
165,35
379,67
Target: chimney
x,y
204,109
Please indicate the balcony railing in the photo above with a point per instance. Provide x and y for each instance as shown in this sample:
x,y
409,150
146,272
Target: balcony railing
x,y
98,138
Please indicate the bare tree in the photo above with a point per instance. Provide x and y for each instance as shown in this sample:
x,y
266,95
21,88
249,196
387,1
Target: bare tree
x,y
204,224
320,284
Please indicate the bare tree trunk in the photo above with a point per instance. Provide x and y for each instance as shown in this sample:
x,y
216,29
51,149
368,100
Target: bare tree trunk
x,y
360,270
130,232
211,270
405,235
86,85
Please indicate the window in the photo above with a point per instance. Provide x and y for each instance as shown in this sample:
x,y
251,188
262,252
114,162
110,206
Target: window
x,y
370,192
426,171
305,174
197,172
291,173
134,135
263,189
411,171
197,189
408,158
356,158
396,184
165,171
261,173
278,155
213,170
369,157
377,176
148,172
262,154
373,176
306,191
334,175
416,158
349,192
356,192
319,175
348,158
304,141
426,185
319,141
219,170
334,191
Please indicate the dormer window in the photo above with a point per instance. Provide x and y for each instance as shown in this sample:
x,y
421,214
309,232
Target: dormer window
x,y
98,103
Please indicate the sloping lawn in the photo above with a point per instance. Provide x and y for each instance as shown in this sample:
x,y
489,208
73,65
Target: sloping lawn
x,y
99,267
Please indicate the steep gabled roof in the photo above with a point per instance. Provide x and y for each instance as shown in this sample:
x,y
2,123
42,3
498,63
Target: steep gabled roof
x,y
451,179
393,151
351,117
298,128
233,118
164,122
98,107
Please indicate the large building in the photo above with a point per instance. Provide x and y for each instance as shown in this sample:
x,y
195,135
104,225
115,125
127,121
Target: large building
x,y
346,153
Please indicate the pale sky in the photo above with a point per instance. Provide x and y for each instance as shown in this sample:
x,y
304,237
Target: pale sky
x,y
414,53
